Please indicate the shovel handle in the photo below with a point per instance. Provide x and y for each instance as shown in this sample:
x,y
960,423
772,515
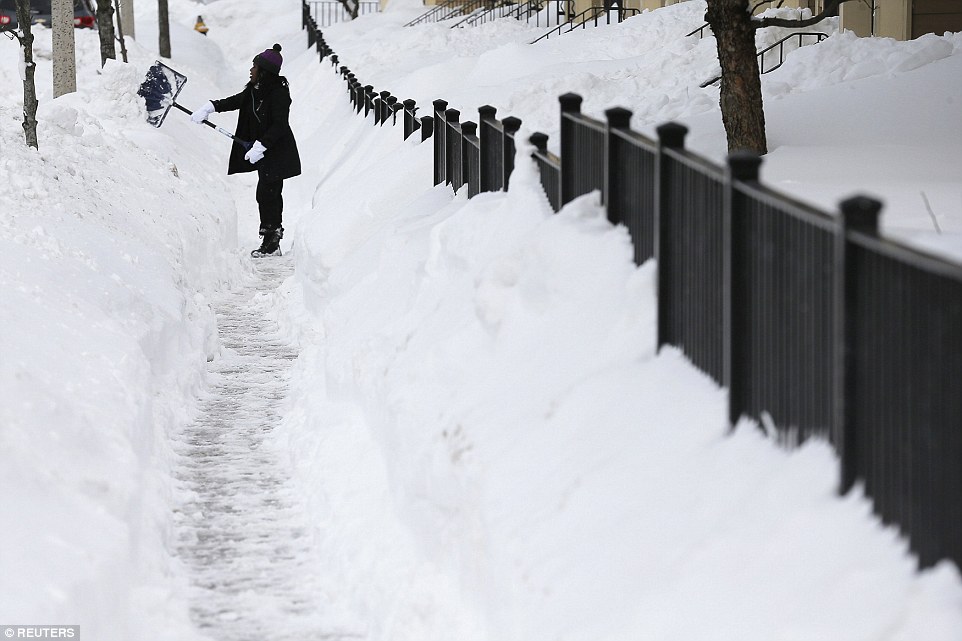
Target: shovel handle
x,y
243,143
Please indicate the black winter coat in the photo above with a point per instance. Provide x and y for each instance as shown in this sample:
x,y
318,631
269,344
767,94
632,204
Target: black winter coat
x,y
264,112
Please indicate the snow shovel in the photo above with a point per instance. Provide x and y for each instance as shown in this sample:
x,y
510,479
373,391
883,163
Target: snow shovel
x,y
160,90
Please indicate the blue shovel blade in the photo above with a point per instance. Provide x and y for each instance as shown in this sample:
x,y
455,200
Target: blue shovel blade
x,y
160,89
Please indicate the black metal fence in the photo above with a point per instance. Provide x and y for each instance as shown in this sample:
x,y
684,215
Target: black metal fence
x,y
813,321
328,12
537,13
590,17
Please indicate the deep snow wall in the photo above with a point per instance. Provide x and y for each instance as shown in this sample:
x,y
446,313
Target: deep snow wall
x,y
492,448
111,235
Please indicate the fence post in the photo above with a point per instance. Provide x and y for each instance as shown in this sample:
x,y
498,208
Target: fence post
x,y
742,166
385,107
451,116
510,127
381,101
440,144
468,130
570,104
377,107
427,127
858,214
390,105
486,116
334,59
368,99
540,142
671,135
410,122
618,119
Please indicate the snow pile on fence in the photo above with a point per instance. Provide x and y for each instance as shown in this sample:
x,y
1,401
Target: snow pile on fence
x,y
492,449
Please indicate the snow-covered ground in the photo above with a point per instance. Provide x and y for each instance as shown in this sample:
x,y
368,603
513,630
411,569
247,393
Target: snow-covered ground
x,y
480,430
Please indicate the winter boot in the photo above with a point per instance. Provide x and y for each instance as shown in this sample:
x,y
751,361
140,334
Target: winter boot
x,y
271,245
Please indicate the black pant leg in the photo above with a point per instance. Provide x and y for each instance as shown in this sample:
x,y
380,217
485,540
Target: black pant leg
x,y
270,202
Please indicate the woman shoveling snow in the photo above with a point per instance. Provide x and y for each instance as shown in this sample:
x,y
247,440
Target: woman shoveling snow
x,y
264,105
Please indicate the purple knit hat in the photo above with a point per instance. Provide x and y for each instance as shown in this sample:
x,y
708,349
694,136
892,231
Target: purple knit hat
x,y
270,60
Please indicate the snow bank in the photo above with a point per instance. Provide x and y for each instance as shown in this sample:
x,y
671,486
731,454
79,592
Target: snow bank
x,y
491,447
109,239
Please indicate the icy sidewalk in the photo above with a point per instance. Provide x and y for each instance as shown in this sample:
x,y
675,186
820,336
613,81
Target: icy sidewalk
x,y
242,535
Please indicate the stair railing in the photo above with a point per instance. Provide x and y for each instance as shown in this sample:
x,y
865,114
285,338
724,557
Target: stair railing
x,y
442,11
700,31
592,16
328,12
543,13
780,46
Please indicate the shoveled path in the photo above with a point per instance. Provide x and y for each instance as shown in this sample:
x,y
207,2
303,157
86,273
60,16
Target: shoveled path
x,y
241,534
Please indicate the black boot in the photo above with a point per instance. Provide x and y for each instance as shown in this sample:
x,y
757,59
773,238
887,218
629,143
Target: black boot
x,y
271,245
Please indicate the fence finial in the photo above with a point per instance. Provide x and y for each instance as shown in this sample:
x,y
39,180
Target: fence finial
x,y
540,141
618,117
511,124
861,212
487,112
427,127
743,165
452,115
570,102
672,135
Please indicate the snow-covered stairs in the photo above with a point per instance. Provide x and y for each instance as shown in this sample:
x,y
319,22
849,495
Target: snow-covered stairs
x,y
241,534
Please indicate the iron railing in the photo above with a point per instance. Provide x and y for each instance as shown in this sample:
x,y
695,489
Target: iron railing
x,y
328,12
539,13
592,16
699,31
449,9
780,48
816,324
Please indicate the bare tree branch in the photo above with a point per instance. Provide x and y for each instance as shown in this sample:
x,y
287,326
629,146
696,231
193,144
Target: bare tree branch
x,y
829,10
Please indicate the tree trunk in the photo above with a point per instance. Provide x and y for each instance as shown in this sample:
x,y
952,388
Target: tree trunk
x,y
741,86
64,48
105,25
163,28
29,87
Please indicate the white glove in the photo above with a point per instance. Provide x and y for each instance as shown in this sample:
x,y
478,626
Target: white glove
x,y
201,114
255,153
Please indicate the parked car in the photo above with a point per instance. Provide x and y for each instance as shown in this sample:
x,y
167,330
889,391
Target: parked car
x,y
83,13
